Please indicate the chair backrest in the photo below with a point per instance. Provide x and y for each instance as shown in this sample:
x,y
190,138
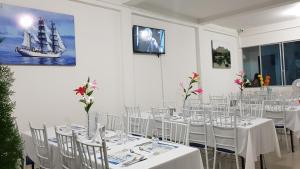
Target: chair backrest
x,y
252,108
158,113
138,126
275,110
193,102
40,142
221,115
218,100
224,130
114,122
92,156
198,126
133,111
67,149
175,132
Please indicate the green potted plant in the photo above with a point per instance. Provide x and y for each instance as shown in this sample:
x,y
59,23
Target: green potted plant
x,y
11,145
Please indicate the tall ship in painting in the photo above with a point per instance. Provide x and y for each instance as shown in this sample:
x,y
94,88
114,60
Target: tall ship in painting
x,y
41,41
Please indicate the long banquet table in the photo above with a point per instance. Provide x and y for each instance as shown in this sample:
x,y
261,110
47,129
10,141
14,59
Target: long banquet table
x,y
178,158
254,139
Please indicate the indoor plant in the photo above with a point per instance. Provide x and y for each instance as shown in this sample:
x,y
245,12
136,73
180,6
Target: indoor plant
x,y
10,139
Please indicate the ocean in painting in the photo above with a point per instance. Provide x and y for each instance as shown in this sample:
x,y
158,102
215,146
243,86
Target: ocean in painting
x,y
12,30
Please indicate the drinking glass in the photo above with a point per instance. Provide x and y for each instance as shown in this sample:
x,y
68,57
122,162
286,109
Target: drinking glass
x,y
155,138
119,134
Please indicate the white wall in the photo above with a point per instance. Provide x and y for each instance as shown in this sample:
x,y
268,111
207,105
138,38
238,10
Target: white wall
x,y
272,33
218,81
160,77
44,94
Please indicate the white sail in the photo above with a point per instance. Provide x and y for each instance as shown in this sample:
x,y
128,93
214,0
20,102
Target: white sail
x,y
49,49
34,38
26,40
60,42
48,39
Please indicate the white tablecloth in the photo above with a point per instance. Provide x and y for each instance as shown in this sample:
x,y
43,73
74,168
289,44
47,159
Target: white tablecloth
x,y
258,138
293,119
182,157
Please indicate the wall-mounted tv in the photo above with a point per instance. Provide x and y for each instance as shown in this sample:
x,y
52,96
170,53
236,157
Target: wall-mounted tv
x,y
148,40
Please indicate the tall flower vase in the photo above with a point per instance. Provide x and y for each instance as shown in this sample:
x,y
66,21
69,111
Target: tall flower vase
x,y
184,112
88,126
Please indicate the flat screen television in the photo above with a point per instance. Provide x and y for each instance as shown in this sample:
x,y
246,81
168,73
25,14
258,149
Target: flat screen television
x,y
148,40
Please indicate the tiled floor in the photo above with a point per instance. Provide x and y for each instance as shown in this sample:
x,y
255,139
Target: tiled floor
x,y
288,160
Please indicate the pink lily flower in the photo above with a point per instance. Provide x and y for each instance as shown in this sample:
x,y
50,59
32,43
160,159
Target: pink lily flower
x,y
94,84
238,81
199,91
195,75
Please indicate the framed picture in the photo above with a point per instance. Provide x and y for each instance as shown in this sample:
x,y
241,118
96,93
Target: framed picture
x,y
35,37
220,55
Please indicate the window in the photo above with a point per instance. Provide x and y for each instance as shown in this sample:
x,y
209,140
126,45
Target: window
x,y
271,63
292,61
281,61
251,58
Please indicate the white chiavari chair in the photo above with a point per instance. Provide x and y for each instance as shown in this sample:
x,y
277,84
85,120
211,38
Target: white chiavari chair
x,y
134,111
252,108
92,156
67,149
175,132
40,142
218,100
198,130
276,110
138,125
114,122
157,115
224,132
193,103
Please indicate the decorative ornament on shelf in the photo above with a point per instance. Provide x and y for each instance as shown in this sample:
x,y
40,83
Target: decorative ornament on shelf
x,y
187,92
242,81
261,81
85,92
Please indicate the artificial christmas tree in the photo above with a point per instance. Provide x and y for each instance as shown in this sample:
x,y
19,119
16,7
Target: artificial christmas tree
x,y
10,140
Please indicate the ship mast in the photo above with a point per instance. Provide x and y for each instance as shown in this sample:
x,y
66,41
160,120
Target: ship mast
x,y
54,39
42,36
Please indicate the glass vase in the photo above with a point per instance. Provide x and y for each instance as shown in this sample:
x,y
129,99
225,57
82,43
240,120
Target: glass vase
x,y
88,126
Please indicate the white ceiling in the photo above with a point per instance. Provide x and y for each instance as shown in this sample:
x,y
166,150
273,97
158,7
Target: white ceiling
x,y
230,13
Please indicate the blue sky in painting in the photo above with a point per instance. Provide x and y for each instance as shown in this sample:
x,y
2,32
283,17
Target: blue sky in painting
x,y
9,19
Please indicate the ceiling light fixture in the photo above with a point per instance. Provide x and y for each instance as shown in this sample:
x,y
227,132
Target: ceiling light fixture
x,y
293,11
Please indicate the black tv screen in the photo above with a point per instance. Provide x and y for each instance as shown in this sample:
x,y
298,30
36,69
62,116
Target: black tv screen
x,y
148,40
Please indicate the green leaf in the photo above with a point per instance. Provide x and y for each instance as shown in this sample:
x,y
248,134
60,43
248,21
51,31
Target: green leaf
x,y
82,101
184,90
194,93
190,87
87,108
90,93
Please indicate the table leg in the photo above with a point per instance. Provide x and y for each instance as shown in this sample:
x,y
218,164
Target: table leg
x,y
243,162
292,140
261,156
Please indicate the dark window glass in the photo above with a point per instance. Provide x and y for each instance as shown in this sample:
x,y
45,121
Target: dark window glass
x,y
251,61
292,61
271,63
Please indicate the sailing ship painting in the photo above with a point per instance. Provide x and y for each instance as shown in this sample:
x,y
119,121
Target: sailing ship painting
x,y
35,37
